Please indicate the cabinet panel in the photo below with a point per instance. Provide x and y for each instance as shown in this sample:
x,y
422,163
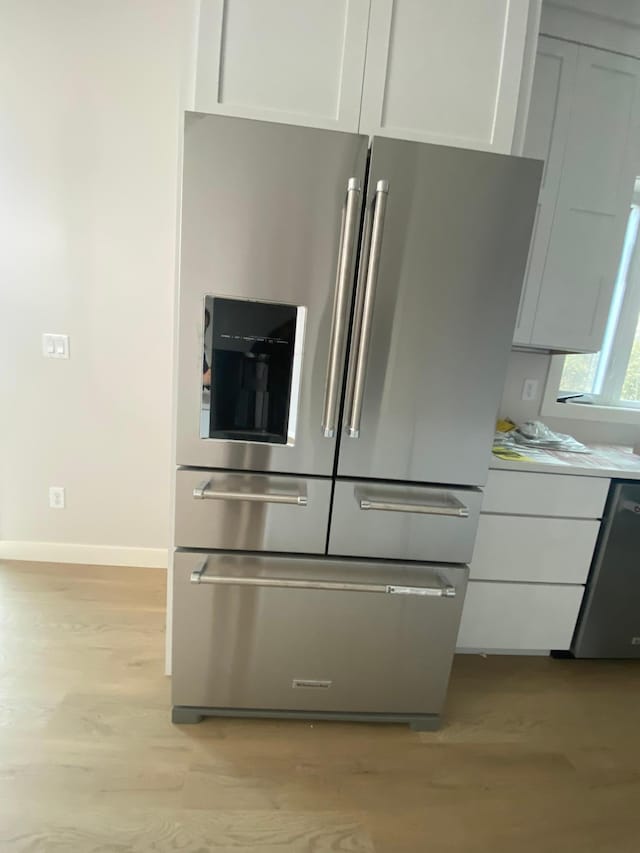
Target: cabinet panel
x,y
562,495
539,550
601,161
546,138
519,616
446,71
282,60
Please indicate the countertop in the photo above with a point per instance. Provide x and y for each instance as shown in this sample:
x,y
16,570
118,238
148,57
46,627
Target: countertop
x,y
602,461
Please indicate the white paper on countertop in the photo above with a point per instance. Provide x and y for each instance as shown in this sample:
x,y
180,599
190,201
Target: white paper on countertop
x,y
601,457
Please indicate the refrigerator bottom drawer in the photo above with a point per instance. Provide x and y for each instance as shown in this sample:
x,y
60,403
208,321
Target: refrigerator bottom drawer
x,y
311,635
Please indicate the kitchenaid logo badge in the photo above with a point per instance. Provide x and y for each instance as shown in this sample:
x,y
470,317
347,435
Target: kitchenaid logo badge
x,y
635,641
311,683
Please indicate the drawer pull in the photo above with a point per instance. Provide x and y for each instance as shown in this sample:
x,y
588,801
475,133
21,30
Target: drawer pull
x,y
453,507
203,492
199,575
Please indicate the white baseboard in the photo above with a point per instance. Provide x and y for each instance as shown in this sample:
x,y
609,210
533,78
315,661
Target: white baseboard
x,y
98,555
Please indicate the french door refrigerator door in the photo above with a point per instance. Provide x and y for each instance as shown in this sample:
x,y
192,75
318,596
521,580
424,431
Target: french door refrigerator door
x,y
270,221
278,633
445,245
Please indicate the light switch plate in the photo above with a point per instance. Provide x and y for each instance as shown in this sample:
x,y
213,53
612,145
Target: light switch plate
x,y
55,346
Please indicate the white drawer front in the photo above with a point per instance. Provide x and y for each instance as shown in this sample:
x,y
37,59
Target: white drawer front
x,y
404,522
561,495
540,550
519,616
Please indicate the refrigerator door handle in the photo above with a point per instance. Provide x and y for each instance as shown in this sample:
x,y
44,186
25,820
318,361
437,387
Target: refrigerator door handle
x,y
452,507
198,575
364,316
340,318
203,492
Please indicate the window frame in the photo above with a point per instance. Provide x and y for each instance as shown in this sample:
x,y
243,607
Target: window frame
x,y
581,411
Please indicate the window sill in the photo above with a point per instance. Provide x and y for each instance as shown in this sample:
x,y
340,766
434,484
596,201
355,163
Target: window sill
x,y
581,411
590,412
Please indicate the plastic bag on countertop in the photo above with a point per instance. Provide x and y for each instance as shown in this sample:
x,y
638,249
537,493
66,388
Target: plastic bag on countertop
x,y
537,434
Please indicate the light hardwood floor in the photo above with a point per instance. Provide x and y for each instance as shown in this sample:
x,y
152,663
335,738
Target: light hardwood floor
x,y
536,755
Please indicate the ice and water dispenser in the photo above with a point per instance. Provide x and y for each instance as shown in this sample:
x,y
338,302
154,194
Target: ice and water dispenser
x,y
250,370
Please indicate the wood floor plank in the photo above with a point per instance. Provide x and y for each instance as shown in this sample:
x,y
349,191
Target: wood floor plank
x,y
140,831
535,756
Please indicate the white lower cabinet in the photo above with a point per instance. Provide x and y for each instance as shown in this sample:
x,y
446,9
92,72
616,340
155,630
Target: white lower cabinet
x,y
536,537
519,616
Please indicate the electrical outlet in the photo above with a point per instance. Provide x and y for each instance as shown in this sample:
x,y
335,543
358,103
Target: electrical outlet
x,y
530,390
56,497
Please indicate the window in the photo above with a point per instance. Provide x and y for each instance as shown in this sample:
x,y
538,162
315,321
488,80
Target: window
x,y
611,377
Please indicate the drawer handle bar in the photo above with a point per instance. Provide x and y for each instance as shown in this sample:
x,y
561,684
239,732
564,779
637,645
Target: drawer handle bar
x,y
203,492
199,575
458,510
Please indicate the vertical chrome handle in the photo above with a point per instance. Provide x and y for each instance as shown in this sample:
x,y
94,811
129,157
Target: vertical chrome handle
x,y
340,308
364,308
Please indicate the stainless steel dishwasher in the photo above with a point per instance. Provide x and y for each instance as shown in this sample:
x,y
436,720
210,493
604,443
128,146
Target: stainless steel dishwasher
x,y
609,622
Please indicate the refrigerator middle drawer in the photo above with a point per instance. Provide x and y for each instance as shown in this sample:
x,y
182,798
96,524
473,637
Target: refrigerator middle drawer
x,y
251,512
404,522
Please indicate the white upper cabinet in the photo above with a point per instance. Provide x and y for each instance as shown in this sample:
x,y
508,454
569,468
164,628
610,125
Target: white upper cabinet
x,y
294,61
584,120
445,71
545,139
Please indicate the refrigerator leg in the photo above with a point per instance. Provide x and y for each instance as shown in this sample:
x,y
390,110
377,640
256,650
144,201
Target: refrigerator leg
x,y
185,716
425,724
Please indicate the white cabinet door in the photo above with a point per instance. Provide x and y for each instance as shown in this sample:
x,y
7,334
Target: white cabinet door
x,y
445,71
283,60
601,161
561,495
519,616
545,139
537,550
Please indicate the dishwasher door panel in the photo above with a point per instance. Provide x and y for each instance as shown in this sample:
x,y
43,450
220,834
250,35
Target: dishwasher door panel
x,y
311,634
609,624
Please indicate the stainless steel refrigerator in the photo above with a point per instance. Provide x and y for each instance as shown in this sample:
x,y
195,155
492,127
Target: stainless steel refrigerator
x,y
346,314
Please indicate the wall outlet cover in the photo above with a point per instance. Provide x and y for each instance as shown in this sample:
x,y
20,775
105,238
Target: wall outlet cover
x,y
56,497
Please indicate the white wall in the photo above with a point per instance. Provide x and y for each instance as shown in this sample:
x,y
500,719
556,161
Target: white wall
x,y
89,150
